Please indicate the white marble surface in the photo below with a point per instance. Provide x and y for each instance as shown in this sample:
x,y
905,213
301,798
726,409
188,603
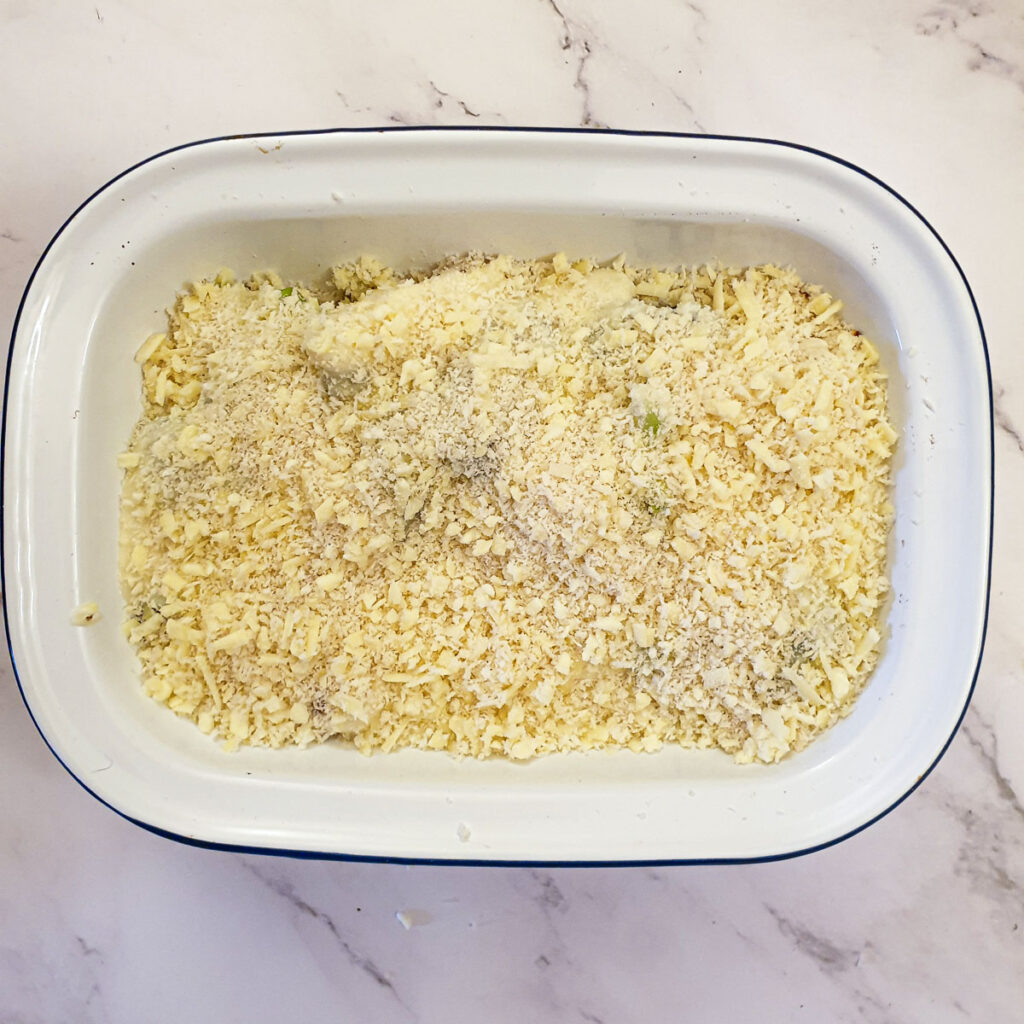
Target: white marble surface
x,y
918,919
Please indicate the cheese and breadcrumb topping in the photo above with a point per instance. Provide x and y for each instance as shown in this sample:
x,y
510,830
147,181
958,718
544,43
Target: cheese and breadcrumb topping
x,y
507,508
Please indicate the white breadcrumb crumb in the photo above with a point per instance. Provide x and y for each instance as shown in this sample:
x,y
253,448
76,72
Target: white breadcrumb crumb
x,y
508,508
412,918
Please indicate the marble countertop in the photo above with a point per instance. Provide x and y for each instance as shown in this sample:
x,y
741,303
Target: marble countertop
x,y
917,919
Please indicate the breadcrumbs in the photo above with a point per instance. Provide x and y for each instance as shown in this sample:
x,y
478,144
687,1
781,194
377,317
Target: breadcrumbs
x,y
508,508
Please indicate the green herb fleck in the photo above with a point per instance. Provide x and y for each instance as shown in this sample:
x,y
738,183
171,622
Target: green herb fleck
x,y
802,649
651,424
285,292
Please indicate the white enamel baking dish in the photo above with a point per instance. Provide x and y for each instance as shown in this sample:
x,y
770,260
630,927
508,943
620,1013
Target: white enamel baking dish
x,y
297,203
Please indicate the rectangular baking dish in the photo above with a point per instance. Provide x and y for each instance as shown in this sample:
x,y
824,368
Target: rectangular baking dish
x,y
299,202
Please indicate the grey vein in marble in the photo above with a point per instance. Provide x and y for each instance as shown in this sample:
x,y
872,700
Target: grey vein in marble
x,y
439,102
983,60
550,896
837,963
88,950
987,855
285,890
701,19
575,39
95,991
1003,421
829,957
949,15
392,118
347,104
554,955
442,96
687,106
986,746
951,20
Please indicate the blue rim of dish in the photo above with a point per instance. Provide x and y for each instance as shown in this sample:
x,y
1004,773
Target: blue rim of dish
x,y
470,861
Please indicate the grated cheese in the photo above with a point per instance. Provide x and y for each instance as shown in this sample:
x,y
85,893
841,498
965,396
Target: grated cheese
x,y
508,508
85,614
